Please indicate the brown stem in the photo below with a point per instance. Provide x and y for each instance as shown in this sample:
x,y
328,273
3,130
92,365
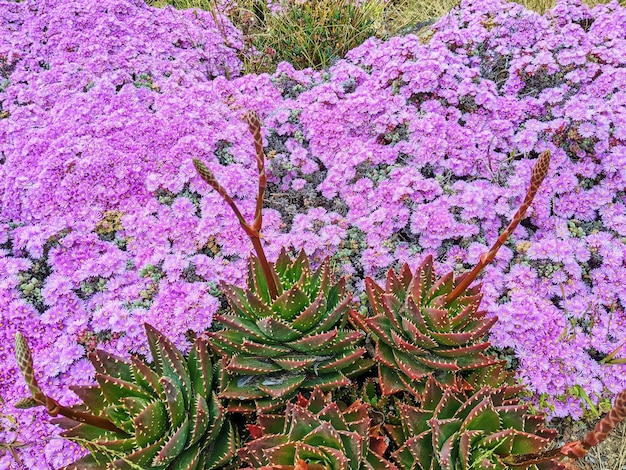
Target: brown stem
x,y
539,173
55,408
253,231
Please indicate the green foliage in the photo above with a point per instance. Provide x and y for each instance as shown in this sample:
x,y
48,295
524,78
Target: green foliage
x,y
316,33
166,415
298,340
418,335
316,430
477,429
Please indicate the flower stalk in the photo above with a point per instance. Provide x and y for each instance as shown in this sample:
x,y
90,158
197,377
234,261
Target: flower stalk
x,y
252,230
540,171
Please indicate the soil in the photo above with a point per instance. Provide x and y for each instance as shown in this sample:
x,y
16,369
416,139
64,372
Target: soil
x,y
608,455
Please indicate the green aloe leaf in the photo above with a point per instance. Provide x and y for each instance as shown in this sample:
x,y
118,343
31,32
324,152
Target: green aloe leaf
x,y
150,424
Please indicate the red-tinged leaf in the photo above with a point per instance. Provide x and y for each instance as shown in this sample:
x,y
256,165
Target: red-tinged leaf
x,y
145,377
109,364
483,417
257,282
254,451
432,394
411,366
417,450
260,308
89,432
446,457
272,424
418,337
392,304
453,339
466,314
416,317
278,330
336,317
217,414
238,301
223,449
359,367
316,402
266,350
437,319
481,327
200,417
90,395
151,424
462,351
500,442
390,382
525,443
334,458
403,345
247,365
294,363
448,405
313,342
437,363
312,315
173,446
323,435
345,339
466,442
374,294
442,286
394,285
200,368
414,420
246,326
174,401
442,430
114,389
283,263
255,431
381,327
384,355
240,388
290,303
169,361
188,460
284,387
342,361
327,381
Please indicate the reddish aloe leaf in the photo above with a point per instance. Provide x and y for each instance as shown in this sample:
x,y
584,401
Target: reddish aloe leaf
x,y
286,386
250,365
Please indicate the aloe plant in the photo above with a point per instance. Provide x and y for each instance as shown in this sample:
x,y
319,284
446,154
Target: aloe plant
x,y
164,416
423,324
287,329
480,429
315,433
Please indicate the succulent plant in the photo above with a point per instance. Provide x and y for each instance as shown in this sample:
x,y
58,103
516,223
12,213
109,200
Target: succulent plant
x,y
480,429
287,329
164,416
315,433
426,325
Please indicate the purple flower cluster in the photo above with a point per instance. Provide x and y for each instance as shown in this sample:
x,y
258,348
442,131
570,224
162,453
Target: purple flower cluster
x,y
409,147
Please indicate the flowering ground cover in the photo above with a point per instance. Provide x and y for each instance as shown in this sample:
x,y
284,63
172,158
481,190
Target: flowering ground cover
x,y
411,147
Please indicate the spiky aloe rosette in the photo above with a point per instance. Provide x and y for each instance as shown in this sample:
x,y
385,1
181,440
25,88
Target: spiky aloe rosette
x,y
165,416
315,433
484,429
427,325
287,328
